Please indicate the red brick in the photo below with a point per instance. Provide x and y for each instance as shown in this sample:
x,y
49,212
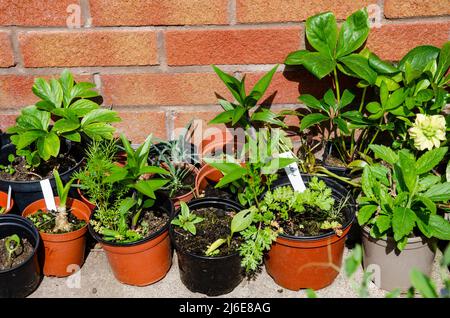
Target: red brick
x,y
415,8
181,118
35,12
88,48
393,41
7,120
158,12
15,90
137,125
241,46
294,10
6,53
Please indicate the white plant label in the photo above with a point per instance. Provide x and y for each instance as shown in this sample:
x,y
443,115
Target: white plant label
x,y
293,173
48,195
8,202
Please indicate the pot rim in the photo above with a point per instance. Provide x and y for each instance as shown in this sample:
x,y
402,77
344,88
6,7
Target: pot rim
x,y
33,231
99,239
205,201
11,206
336,188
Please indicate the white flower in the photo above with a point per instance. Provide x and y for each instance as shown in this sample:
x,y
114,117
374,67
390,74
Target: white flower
x,y
428,131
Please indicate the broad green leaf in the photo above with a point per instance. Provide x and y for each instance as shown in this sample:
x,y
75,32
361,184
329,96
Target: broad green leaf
x,y
396,99
261,86
429,205
231,82
440,227
226,105
241,221
223,118
408,171
438,192
373,107
419,57
65,125
430,159
100,116
98,131
353,33
390,84
311,102
312,119
424,95
346,98
238,112
48,146
342,125
234,175
426,182
29,137
444,61
150,169
403,221
42,89
73,136
380,66
84,90
367,180
296,57
383,222
321,32
423,284
318,64
329,98
360,66
267,116
223,167
365,213
384,153
82,107
57,93
148,187
423,221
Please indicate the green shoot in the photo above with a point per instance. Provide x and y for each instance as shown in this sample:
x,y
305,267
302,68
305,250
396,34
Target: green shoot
x,y
187,220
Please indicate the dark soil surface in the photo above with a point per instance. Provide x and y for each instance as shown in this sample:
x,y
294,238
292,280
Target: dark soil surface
x,y
334,161
62,163
152,222
212,192
21,255
45,221
306,223
216,225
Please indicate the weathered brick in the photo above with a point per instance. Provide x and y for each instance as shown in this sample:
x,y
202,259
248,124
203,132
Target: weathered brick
x,y
7,120
137,125
35,12
88,48
393,41
241,46
415,8
15,90
158,12
6,52
294,10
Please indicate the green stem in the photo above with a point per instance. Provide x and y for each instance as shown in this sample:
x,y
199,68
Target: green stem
x,y
331,174
336,82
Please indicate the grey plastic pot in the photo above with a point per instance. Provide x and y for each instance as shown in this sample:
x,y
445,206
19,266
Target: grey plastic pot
x,y
392,267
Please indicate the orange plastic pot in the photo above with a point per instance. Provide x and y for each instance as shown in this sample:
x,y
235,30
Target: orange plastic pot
x,y
4,202
143,262
220,142
187,196
205,174
310,262
85,200
63,253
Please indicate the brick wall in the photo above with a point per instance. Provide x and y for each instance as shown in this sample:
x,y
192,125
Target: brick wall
x,y
151,58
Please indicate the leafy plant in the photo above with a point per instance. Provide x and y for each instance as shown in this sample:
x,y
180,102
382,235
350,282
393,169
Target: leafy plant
x,y
241,114
186,219
400,196
9,168
74,117
13,246
61,221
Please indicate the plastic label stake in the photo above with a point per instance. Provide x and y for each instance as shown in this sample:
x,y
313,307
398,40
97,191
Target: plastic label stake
x,y
48,195
293,173
8,202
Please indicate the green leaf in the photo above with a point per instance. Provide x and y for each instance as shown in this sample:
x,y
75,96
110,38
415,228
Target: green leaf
x,y
430,159
330,99
224,167
445,261
28,138
444,61
321,32
65,125
367,181
373,107
226,105
73,136
360,66
317,64
384,153
383,222
365,213
353,262
42,89
423,284
439,192
311,102
380,66
261,86
390,84
48,146
447,172
100,116
267,116
312,119
296,57
84,90
396,99
408,171
419,57
440,227
342,125
98,131
346,98
234,175
238,112
403,221
82,107
150,169
57,93
353,33
148,187
241,221
223,118
231,83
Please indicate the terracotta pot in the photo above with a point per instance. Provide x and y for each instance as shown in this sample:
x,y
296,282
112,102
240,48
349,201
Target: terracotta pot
x,y
4,202
392,267
63,253
310,262
205,174
143,262
189,195
85,200
220,142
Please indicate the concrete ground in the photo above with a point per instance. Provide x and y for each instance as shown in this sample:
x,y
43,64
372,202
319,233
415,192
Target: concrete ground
x,y
95,279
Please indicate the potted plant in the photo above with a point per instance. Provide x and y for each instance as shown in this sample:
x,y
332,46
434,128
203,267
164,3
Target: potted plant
x,y
50,134
205,236
19,267
398,210
63,231
131,222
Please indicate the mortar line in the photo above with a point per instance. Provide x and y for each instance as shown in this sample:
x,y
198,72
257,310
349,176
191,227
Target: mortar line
x,y
161,51
86,12
18,58
232,15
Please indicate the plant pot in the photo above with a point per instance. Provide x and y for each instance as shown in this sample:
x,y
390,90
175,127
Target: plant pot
x,y
20,281
314,261
4,202
338,170
221,142
212,276
206,173
26,192
85,200
63,252
392,267
143,262
193,159
189,195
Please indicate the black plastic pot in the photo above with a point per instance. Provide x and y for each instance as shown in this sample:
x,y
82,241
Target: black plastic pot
x,y
340,171
212,276
20,281
27,192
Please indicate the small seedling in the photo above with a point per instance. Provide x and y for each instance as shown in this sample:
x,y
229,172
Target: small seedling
x,y
12,244
186,219
9,168
61,221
